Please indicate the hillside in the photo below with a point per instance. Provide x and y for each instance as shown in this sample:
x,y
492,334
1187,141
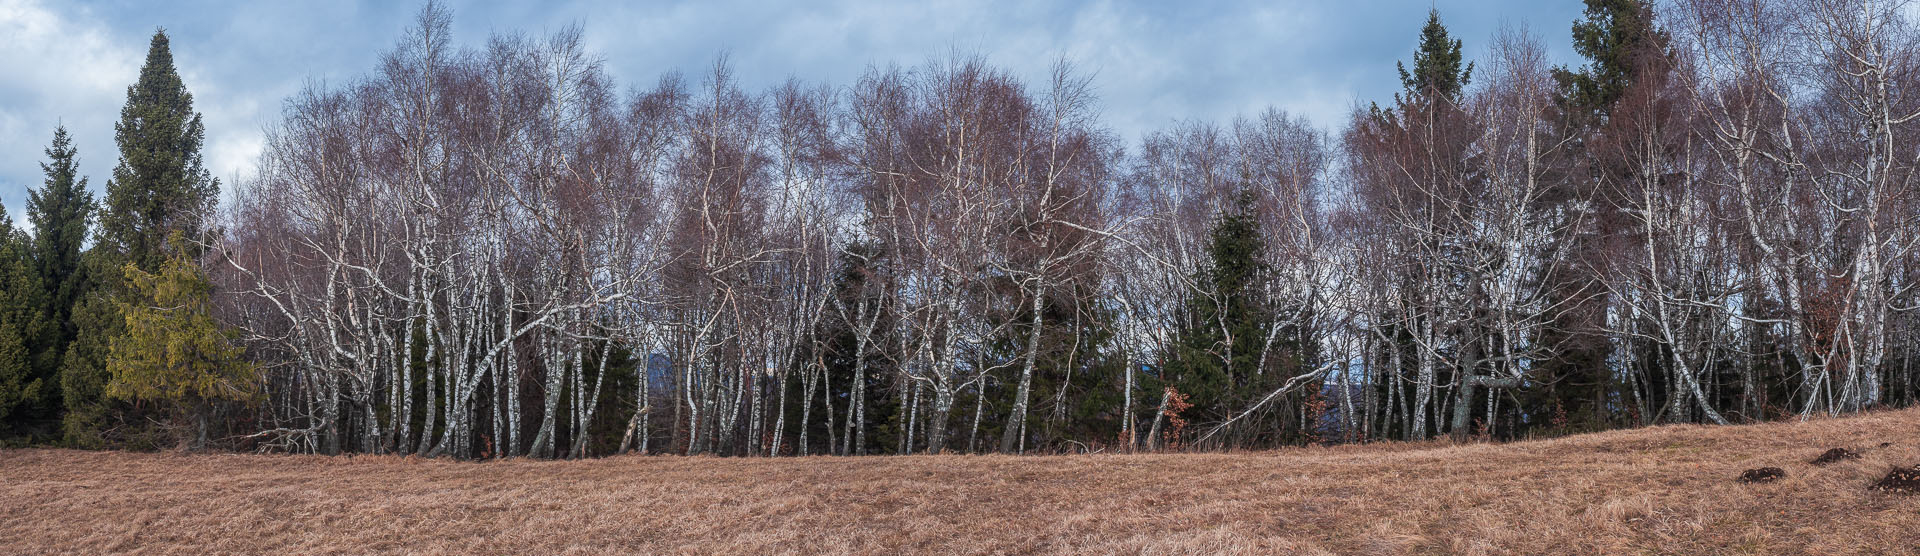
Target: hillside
x,y
1670,489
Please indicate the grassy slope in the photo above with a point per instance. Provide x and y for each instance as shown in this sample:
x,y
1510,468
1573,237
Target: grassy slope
x,y
1657,490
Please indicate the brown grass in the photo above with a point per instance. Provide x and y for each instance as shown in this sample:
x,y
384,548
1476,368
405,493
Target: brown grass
x,y
1664,490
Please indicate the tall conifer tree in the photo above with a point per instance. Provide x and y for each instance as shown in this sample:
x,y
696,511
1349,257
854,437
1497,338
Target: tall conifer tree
x,y
1436,66
158,188
1219,343
1614,37
62,213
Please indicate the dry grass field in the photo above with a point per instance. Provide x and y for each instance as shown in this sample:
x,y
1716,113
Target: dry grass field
x,y
1664,490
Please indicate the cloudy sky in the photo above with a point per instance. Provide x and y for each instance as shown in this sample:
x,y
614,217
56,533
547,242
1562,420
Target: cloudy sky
x,y
1154,62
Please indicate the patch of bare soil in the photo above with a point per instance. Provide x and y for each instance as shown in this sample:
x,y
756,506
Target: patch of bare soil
x,y
1903,481
1763,475
1835,455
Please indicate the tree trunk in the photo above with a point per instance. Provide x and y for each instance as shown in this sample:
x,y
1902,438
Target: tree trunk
x,y
1013,437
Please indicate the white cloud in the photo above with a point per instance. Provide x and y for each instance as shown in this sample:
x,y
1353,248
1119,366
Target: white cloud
x,y
1154,63
69,65
60,70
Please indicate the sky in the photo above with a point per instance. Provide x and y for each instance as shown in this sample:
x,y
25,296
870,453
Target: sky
x,y
1153,63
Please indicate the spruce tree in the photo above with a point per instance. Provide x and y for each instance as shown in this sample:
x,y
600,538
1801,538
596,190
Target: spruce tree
x,y
1619,39
83,370
1436,65
1614,37
1439,77
61,212
22,327
1219,341
158,188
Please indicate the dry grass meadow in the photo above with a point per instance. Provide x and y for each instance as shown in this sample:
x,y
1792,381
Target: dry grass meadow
x,y
1663,490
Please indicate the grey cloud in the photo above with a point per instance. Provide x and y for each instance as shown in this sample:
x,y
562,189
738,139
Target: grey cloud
x,y
1155,63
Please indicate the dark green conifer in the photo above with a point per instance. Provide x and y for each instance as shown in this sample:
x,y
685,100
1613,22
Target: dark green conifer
x,y
159,191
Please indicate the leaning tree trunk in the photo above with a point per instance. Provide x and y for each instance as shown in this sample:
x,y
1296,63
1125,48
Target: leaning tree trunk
x,y
1013,437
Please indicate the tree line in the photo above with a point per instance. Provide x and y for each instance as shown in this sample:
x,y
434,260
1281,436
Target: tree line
x,y
498,252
